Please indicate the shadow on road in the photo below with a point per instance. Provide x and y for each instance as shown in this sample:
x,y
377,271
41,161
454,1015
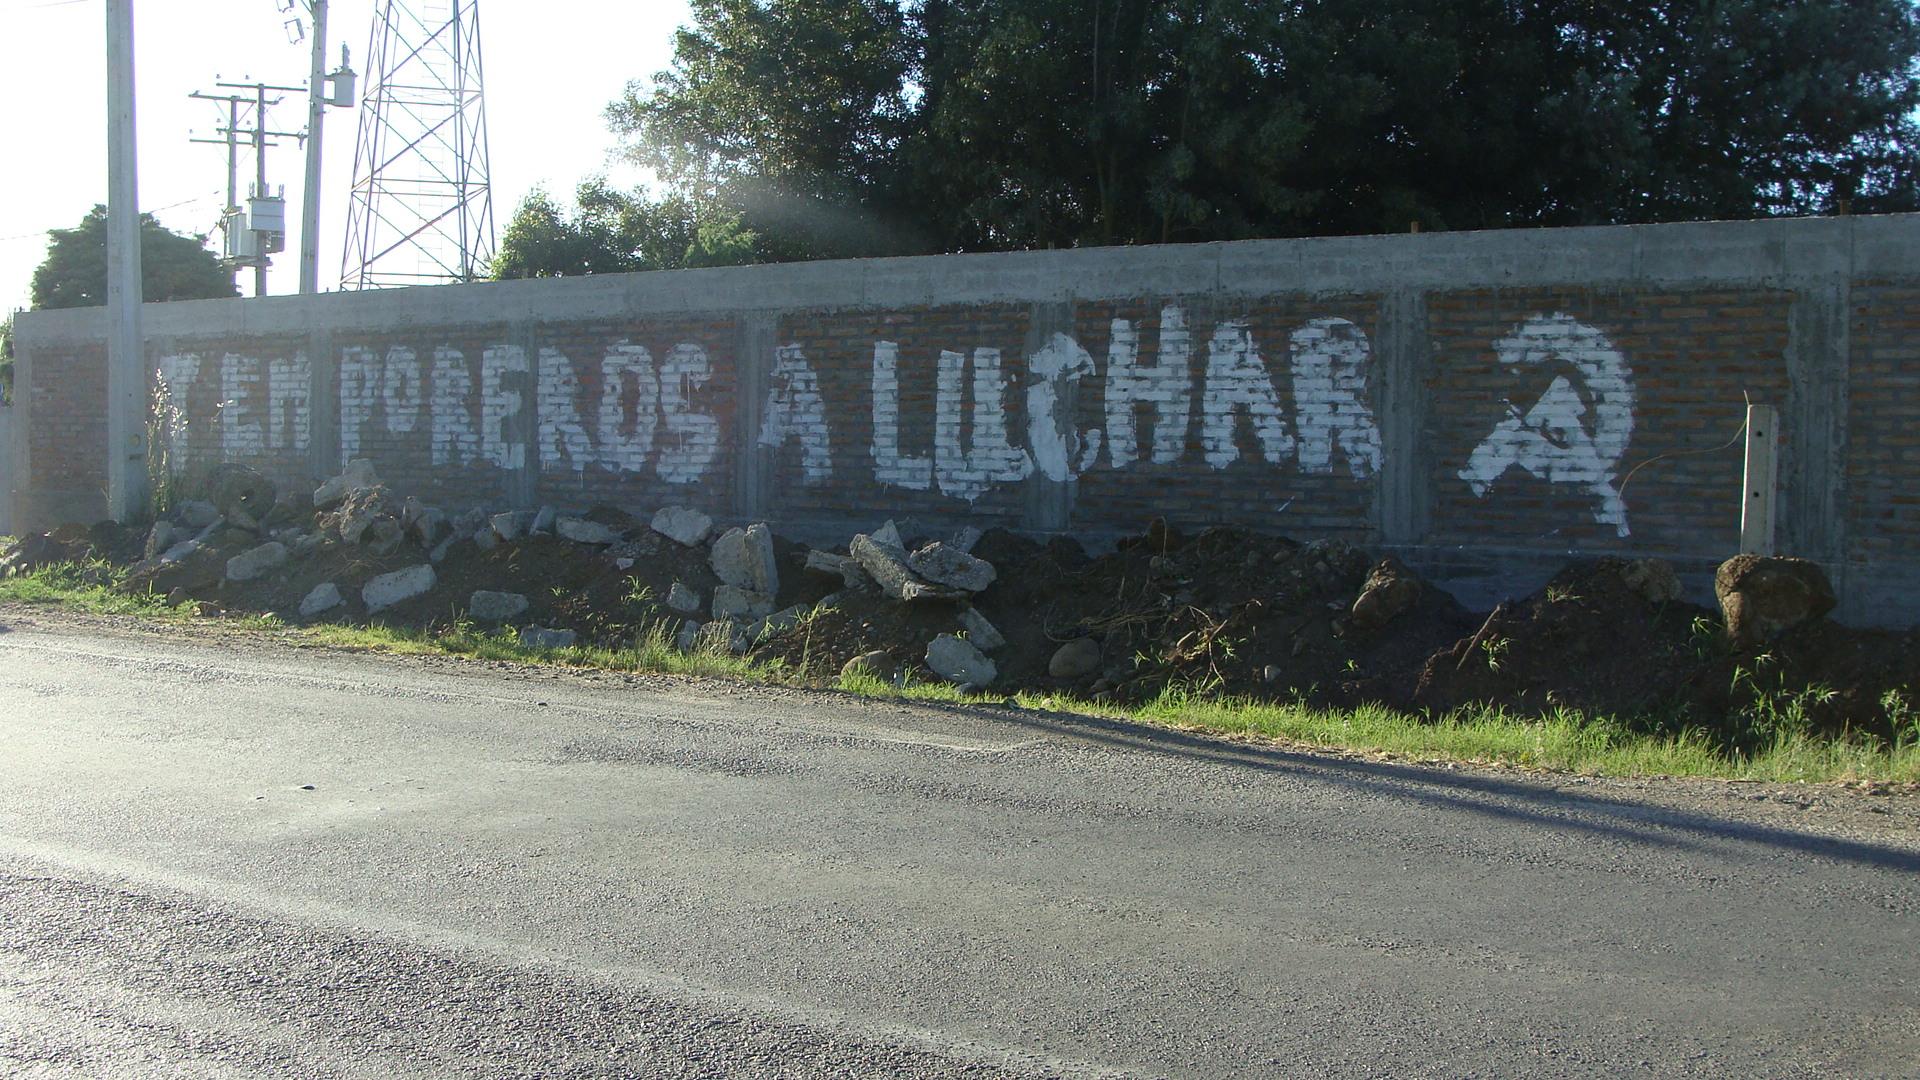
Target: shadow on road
x,y
1480,794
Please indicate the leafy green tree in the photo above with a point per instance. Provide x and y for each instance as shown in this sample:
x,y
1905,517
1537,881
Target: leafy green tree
x,y
857,127
611,232
172,266
6,360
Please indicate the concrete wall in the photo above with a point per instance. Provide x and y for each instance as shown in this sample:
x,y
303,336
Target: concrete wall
x,y
10,475
1477,401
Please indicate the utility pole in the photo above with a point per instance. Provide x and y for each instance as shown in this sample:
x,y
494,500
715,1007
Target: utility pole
x,y
259,230
316,115
126,362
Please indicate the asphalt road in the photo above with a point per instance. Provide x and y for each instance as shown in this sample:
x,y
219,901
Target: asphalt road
x,y
226,858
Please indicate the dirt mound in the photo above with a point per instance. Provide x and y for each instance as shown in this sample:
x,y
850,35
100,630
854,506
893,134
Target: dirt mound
x,y
1225,612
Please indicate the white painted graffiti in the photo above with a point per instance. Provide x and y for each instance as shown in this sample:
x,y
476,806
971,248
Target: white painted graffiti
x,y
1577,432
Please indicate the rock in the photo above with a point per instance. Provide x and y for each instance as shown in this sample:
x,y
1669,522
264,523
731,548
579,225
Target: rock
x,y
177,596
488,606
887,565
439,553
511,525
683,525
181,552
387,590
776,624
733,602
424,523
744,558
982,633
683,599
1653,579
324,597
358,474
255,563
1075,660
1762,596
543,521
241,493
889,534
542,637
162,536
485,538
1272,673
363,510
1389,590
688,639
470,522
965,539
944,565
878,664
302,545
582,531
623,564
847,569
957,661
197,513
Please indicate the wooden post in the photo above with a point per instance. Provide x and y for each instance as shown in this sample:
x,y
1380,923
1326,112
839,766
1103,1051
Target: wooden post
x,y
1761,483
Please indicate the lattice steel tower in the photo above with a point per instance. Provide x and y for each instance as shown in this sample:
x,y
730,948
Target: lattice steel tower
x,y
421,212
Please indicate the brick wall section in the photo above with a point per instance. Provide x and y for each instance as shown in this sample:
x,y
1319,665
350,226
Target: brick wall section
x,y
1480,399
1691,357
1883,420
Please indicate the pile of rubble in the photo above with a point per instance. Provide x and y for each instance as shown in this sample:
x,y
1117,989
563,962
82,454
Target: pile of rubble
x,y
1221,612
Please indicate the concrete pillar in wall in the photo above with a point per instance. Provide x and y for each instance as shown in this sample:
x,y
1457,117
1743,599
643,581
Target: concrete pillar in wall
x,y
753,473
323,397
1049,502
1814,470
1403,364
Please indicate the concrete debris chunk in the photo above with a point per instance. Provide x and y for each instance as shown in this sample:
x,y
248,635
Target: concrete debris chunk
x,y
889,534
688,639
542,522
197,513
324,598
887,565
425,523
384,591
186,549
511,525
944,565
776,624
256,562
846,568
485,538
733,602
984,635
956,661
965,539
744,558
440,551
1653,579
582,531
683,599
162,536
303,545
1075,660
488,606
241,493
358,474
543,637
877,664
683,525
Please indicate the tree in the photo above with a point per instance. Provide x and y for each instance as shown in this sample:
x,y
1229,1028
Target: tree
x,y
172,266
6,360
874,126
609,232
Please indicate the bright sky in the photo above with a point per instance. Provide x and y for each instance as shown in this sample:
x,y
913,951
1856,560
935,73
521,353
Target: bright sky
x,y
551,66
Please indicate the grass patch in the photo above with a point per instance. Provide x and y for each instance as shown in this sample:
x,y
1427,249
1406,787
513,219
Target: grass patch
x,y
1565,741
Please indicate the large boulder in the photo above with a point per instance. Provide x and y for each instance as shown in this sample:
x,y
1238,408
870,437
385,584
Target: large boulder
x,y
256,562
684,599
956,661
744,559
387,590
942,564
683,525
733,602
359,474
241,494
1389,590
1761,596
